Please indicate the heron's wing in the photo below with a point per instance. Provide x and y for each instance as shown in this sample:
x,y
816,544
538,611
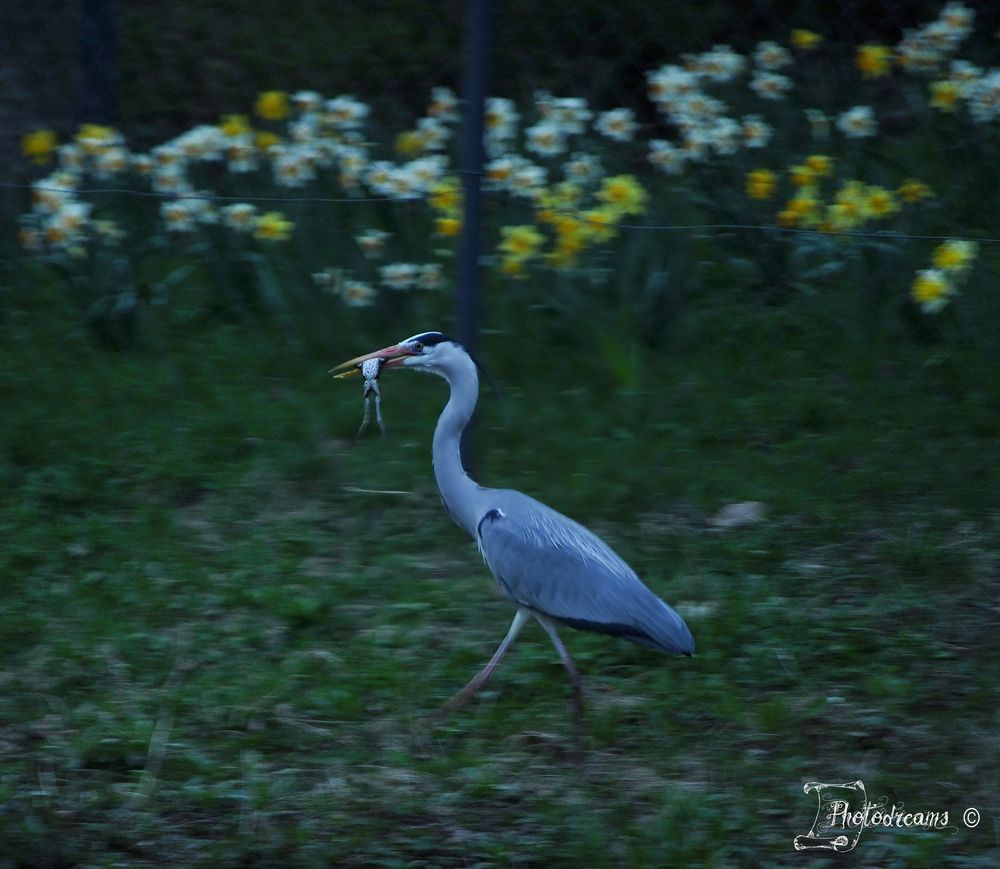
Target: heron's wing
x,y
554,565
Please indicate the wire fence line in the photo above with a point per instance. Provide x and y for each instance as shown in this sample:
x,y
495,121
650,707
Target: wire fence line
x,y
637,227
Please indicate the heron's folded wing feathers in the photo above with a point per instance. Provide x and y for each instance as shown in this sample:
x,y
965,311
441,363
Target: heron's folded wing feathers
x,y
552,564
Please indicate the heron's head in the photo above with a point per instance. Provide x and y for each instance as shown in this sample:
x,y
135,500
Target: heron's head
x,y
428,351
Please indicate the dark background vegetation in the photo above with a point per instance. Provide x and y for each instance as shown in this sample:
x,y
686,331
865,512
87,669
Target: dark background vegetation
x,y
226,626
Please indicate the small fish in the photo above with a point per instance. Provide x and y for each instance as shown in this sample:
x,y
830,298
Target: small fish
x,y
370,370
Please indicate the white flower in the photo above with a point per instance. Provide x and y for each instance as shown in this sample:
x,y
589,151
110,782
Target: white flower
x,y
666,157
771,56
178,215
583,168
770,85
306,101
241,154
424,171
433,133
756,132
670,82
545,138
725,136
400,276
500,119
858,123
357,294
617,124
292,165
430,276
444,105
527,180
372,242
720,64
345,113
170,179
569,114
984,97
240,216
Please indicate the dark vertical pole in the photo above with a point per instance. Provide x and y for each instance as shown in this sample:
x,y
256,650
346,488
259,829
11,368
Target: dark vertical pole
x,y
98,62
477,52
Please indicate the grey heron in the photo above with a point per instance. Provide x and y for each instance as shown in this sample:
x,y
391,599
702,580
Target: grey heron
x,y
552,568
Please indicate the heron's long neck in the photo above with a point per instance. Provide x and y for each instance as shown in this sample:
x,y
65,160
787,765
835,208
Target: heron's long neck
x,y
458,490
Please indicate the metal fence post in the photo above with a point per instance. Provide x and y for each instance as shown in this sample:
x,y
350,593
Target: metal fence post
x,y
474,92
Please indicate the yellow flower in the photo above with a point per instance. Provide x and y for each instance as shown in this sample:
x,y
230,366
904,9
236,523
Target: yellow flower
x,y
954,255
819,164
945,95
266,139
599,223
447,226
409,144
234,125
806,40
520,241
623,194
272,226
801,210
760,183
874,60
445,196
880,202
802,175
931,289
913,190
272,105
564,196
39,145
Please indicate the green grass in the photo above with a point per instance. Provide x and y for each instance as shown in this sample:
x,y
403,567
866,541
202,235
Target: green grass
x,y
216,652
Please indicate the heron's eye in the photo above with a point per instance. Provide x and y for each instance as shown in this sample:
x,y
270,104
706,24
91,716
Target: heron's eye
x,y
418,347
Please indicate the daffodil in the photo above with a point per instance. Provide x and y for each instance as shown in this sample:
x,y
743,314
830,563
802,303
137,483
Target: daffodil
x,y
447,226
760,183
955,255
234,125
945,95
880,202
273,226
932,290
520,241
623,194
272,105
874,61
819,164
805,40
913,190
518,245
39,145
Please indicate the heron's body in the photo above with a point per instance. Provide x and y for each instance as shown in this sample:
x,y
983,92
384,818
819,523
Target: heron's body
x,y
551,567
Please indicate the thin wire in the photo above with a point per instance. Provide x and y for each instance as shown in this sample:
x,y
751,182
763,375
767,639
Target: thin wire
x,y
636,227
211,197
795,229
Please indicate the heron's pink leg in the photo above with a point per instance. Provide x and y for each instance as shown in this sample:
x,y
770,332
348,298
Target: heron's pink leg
x,y
483,676
574,676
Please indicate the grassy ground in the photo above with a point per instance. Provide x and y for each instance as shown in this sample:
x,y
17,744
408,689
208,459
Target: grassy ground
x,y
216,651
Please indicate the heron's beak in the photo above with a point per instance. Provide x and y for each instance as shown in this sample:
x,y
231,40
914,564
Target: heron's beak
x,y
392,357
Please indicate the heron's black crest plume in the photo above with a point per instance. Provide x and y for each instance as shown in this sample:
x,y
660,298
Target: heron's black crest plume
x,y
429,339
